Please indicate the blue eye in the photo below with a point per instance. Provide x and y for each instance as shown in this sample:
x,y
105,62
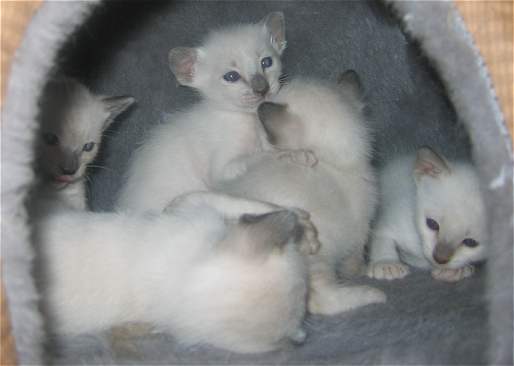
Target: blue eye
x,y
266,62
89,146
432,224
232,76
470,242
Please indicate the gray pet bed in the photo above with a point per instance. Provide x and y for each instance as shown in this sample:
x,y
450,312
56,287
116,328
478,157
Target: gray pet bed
x,y
425,85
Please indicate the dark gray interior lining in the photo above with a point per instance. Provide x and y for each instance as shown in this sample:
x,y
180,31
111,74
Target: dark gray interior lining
x,y
122,49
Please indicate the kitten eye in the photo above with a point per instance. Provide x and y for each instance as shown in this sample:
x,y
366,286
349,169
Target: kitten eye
x,y
232,76
88,147
50,139
266,62
432,224
470,242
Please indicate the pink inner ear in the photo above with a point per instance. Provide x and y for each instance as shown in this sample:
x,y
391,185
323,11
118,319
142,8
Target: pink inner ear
x,y
427,168
186,69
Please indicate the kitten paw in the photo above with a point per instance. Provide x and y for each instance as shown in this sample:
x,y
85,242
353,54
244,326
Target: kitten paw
x,y
309,243
233,170
301,157
335,300
452,274
387,270
298,336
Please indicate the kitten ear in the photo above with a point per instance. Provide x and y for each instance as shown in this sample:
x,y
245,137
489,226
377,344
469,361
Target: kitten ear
x,y
115,106
275,25
350,79
272,117
271,230
429,163
182,62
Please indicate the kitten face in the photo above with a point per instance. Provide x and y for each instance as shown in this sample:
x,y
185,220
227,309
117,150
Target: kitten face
x,y
237,67
72,123
450,212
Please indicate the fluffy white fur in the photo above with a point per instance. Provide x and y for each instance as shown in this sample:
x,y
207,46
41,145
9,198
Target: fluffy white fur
x,y
72,123
318,125
211,269
206,143
415,189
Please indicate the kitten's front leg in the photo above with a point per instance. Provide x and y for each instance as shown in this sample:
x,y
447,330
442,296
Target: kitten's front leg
x,y
301,157
384,263
453,274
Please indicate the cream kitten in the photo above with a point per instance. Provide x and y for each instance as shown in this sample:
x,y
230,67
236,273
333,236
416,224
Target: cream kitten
x,y
210,269
322,125
235,69
432,217
72,122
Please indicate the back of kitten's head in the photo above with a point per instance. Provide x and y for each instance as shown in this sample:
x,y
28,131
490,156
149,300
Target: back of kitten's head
x,y
258,236
451,215
72,122
306,113
236,67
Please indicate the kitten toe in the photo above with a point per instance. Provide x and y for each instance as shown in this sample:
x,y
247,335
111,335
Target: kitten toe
x,y
387,270
452,274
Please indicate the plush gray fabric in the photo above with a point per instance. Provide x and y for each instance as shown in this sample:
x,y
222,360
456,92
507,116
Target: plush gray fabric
x,y
123,49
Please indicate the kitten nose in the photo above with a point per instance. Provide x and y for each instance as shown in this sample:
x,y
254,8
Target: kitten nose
x,y
259,84
442,253
69,166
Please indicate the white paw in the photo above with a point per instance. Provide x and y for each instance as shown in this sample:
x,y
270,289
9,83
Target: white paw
x,y
233,170
301,157
452,274
298,336
387,270
340,299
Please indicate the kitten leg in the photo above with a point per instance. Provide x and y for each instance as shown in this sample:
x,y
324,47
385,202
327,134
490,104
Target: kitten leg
x,y
229,206
301,157
384,263
453,274
327,297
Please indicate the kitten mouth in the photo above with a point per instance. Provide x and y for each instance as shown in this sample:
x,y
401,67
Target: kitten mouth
x,y
63,180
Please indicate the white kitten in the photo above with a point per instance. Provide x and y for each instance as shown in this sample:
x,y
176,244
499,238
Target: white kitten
x,y
211,269
323,126
432,216
235,69
72,122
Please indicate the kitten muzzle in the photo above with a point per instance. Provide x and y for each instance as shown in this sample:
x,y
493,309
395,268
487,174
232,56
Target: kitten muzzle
x,y
443,253
259,85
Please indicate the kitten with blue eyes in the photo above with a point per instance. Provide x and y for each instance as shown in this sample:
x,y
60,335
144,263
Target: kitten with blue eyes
x,y
235,69
432,216
72,122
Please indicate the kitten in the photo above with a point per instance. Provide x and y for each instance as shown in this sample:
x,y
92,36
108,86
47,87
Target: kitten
x,y
198,270
235,69
72,122
324,126
432,217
